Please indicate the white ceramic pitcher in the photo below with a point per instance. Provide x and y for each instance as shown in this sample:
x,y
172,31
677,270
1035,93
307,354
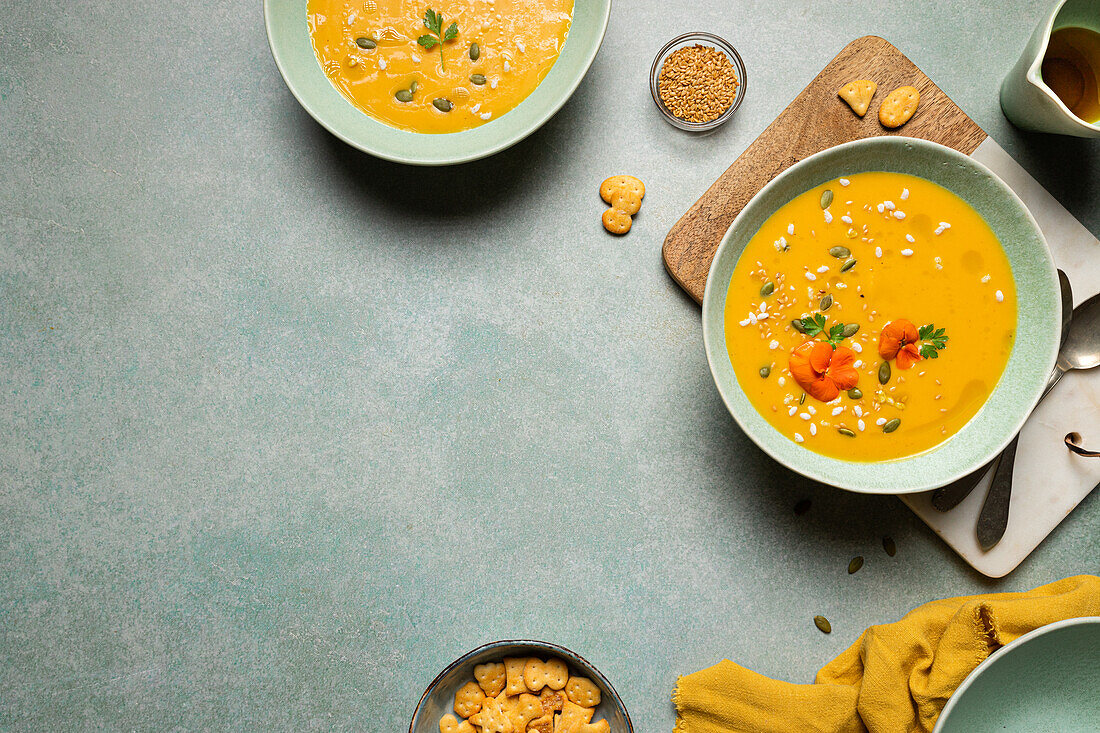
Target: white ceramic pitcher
x,y
1028,102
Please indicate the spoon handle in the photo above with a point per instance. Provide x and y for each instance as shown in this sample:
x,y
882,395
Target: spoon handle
x,y
993,519
948,497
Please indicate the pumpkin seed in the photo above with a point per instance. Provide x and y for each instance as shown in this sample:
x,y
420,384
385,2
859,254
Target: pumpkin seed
x,y
889,546
443,105
884,372
855,564
404,95
840,252
846,432
802,399
797,325
850,330
848,265
826,198
826,303
767,289
475,52
478,79
765,371
802,507
364,42
855,393
823,624
892,425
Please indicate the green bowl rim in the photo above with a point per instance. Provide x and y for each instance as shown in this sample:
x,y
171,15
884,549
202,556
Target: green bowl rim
x,y
997,656
916,473
474,153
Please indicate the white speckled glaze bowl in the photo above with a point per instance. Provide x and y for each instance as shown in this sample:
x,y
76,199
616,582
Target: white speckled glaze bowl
x,y
288,35
438,698
1047,680
1038,315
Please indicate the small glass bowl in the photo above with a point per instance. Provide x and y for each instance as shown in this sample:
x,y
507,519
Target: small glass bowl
x,y
691,39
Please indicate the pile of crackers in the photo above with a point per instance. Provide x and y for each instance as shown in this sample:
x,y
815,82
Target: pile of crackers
x,y
525,695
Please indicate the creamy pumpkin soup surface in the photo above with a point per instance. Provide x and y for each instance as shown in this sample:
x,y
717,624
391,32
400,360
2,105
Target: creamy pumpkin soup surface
x,y
871,317
437,68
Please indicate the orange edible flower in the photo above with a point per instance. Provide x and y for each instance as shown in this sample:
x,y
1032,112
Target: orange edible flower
x,y
898,340
822,370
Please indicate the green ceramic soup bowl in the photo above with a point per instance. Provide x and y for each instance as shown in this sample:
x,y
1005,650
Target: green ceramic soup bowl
x,y
288,35
1047,680
1037,329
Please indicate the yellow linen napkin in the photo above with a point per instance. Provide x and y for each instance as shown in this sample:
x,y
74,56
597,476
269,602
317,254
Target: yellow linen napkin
x,y
897,677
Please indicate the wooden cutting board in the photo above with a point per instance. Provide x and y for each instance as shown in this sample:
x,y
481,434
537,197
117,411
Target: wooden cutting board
x,y
817,119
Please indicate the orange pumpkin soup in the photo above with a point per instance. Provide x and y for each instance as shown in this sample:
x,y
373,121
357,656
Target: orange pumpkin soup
x,y
870,317
438,70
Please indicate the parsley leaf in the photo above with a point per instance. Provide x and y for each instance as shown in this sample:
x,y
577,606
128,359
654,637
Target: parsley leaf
x,y
815,325
433,21
934,338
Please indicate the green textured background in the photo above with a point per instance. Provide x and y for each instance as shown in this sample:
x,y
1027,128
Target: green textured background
x,y
285,429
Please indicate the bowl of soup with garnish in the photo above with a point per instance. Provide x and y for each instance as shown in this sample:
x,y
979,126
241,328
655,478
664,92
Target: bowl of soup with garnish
x,y
882,316
433,83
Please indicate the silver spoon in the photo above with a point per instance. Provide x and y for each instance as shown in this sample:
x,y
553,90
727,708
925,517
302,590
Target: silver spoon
x,y
948,497
1081,350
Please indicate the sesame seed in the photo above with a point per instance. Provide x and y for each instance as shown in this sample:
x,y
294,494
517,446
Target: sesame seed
x,y
507,66
907,252
939,231
858,411
697,83
945,225
880,421
823,268
520,46
773,345
862,425
843,181
782,381
904,193
792,411
858,363
811,409
804,415
939,262
790,229
475,108
909,238
899,215
841,286
798,438
881,208
878,251
485,115
846,219
837,411
381,63
889,205
985,279
828,217
492,83
745,322
856,347
813,429
811,276
999,296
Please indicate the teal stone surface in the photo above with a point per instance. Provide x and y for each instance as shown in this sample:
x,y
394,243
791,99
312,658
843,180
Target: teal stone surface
x,y
287,428
1037,330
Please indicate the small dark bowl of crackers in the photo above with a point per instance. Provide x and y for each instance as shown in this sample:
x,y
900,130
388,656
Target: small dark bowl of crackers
x,y
697,81
520,686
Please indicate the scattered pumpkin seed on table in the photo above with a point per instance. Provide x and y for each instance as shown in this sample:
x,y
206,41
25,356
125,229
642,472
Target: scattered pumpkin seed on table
x,y
823,624
889,546
855,564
